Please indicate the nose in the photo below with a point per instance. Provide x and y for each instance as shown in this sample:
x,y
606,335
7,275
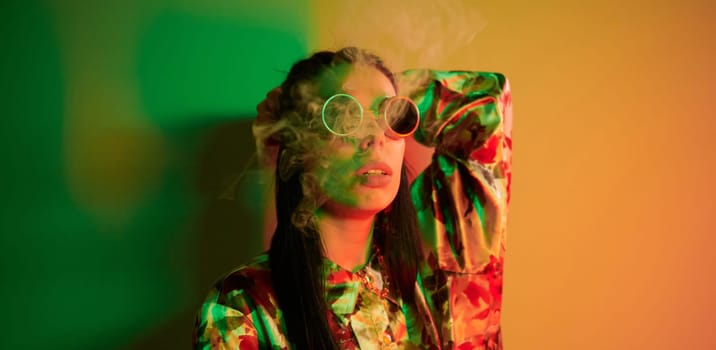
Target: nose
x,y
374,135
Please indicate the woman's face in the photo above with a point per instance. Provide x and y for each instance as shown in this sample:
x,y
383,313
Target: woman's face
x,y
362,172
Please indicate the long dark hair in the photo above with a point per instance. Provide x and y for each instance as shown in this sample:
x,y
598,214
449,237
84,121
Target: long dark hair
x,y
296,253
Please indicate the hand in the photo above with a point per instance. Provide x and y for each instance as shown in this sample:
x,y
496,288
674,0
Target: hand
x,y
267,109
267,114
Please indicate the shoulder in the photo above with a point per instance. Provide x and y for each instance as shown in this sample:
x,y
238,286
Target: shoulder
x,y
234,306
246,287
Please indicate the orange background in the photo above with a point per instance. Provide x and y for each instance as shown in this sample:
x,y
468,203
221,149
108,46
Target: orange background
x,y
610,241
124,122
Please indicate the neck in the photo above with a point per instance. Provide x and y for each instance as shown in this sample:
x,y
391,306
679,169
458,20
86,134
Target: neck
x,y
346,238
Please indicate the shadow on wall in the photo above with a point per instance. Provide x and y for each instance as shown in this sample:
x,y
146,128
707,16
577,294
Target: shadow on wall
x,y
227,231
191,69
188,84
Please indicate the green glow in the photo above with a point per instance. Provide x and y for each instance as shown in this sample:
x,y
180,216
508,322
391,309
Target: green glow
x,y
196,67
73,278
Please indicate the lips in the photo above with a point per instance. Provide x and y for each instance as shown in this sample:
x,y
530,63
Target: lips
x,y
375,168
375,174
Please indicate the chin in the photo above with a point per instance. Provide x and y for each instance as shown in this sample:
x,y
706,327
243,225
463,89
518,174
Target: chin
x,y
370,203
375,202
357,200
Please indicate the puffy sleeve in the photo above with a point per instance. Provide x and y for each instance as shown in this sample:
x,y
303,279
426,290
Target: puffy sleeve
x,y
220,326
462,199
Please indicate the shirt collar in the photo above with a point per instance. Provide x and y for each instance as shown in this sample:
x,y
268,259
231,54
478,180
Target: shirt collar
x,y
344,286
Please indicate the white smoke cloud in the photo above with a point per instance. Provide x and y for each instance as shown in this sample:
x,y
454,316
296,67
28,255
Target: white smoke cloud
x,y
407,34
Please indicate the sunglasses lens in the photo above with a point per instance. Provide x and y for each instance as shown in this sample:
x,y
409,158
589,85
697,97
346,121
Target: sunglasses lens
x,y
342,114
402,115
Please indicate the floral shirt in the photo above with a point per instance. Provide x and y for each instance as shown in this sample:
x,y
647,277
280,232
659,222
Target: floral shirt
x,y
462,202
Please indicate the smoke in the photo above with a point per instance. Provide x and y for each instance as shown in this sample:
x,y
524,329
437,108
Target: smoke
x,y
407,34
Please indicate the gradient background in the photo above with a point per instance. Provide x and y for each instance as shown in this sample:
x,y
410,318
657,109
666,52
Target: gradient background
x,y
125,122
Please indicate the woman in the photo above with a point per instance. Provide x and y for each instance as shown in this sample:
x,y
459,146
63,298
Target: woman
x,y
346,268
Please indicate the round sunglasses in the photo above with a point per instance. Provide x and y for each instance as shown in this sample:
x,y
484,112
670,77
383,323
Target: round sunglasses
x,y
343,115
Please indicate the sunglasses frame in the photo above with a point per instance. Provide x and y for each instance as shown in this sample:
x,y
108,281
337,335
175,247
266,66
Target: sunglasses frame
x,y
390,100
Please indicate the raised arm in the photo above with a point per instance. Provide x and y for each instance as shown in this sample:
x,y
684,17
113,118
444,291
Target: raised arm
x,y
462,200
